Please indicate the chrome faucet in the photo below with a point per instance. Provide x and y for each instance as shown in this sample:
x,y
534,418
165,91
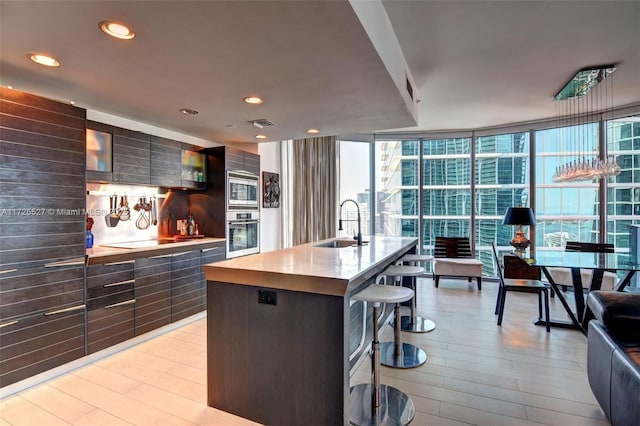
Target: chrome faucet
x,y
358,237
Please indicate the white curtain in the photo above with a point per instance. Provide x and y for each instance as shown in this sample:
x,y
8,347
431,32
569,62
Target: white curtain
x,y
310,173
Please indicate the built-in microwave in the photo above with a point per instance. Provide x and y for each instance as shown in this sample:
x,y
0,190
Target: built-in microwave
x,y
242,190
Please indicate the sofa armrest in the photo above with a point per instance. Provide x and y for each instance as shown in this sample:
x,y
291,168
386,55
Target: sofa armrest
x,y
619,312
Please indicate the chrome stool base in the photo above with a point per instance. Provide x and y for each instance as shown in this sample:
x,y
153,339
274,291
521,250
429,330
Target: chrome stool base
x,y
416,324
410,356
396,409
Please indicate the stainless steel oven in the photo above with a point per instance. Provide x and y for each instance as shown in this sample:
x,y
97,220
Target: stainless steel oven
x,y
243,233
242,190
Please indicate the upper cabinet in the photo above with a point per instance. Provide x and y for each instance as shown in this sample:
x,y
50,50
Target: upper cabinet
x,y
42,190
166,156
194,168
131,156
126,156
99,140
236,159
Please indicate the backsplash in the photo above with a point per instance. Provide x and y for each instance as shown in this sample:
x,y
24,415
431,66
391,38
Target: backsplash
x,y
171,206
98,199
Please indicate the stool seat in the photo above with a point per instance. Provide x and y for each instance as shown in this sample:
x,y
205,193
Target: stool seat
x,y
416,258
374,404
403,271
383,294
414,323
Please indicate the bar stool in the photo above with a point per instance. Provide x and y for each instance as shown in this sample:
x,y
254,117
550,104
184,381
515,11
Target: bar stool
x,y
397,354
414,323
373,403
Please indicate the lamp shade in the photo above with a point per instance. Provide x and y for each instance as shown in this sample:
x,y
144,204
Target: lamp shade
x,y
519,216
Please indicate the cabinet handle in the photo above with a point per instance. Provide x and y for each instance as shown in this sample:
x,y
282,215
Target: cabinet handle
x,y
71,262
6,271
125,262
162,256
181,254
119,283
7,324
212,248
62,311
126,302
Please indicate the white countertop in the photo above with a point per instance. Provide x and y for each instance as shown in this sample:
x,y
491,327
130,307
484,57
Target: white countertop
x,y
309,268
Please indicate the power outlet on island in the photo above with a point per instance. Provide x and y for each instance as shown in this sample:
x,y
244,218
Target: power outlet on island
x,y
268,297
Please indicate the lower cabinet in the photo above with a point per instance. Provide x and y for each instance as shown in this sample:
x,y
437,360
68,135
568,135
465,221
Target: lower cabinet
x,y
42,317
186,284
153,293
209,255
110,304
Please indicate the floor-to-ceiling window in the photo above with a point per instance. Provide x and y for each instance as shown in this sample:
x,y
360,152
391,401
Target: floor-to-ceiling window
x,y
446,185
565,211
501,181
623,190
355,184
396,191
502,165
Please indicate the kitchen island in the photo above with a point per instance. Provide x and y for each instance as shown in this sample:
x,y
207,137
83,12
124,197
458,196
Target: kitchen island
x,y
280,332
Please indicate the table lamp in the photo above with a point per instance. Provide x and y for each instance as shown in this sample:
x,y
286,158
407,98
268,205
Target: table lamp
x,y
521,216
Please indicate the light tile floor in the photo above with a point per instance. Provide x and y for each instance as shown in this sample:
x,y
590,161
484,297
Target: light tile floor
x,y
476,374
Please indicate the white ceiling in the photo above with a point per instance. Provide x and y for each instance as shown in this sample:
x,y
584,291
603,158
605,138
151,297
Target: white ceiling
x,y
474,63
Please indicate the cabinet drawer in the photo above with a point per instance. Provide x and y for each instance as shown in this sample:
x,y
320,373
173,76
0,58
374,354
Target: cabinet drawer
x,y
37,290
186,287
37,343
110,325
109,284
153,293
109,273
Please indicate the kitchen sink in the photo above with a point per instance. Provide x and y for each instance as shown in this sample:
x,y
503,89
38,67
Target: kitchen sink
x,y
339,244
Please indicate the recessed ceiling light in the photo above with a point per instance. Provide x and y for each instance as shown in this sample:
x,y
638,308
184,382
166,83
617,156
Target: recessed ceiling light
x,y
117,30
72,102
46,60
253,100
261,137
313,131
188,111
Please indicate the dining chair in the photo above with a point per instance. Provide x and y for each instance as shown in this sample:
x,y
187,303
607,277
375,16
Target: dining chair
x,y
562,276
520,285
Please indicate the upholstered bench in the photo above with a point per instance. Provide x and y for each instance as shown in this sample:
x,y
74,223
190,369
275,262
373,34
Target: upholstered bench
x,y
453,258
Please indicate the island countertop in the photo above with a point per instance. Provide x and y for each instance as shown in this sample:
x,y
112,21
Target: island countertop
x,y
310,268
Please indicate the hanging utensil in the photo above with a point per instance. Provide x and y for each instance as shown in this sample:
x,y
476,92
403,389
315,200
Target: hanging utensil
x,y
143,221
124,212
154,211
113,216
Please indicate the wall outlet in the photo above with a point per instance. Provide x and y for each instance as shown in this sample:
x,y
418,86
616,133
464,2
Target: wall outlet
x,y
268,297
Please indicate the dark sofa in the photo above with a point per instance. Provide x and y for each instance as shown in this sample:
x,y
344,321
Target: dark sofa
x,y
613,355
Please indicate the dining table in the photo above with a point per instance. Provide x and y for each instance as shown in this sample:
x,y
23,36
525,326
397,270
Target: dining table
x,y
621,263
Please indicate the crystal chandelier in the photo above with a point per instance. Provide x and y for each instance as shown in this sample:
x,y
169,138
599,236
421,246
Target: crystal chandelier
x,y
579,109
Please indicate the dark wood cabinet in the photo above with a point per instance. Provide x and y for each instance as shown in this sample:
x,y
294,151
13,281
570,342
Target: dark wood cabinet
x,y
209,255
211,203
236,159
152,292
40,342
42,317
104,131
186,284
166,157
110,304
131,156
42,184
